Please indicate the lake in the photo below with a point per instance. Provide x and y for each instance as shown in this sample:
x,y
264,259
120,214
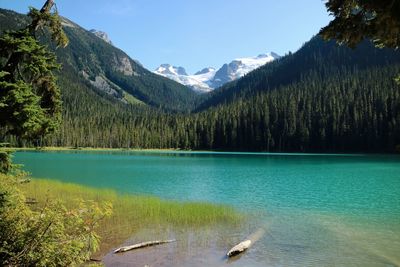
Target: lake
x,y
317,209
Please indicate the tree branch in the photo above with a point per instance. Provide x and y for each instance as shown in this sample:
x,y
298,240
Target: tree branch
x,y
44,10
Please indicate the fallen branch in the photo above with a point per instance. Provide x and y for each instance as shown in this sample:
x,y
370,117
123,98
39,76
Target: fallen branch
x,y
239,248
142,245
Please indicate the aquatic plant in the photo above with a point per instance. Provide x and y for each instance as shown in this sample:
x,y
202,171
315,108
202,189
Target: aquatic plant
x,y
133,213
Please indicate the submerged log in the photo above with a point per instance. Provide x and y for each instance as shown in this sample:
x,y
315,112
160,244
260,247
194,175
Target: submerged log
x,y
142,245
239,248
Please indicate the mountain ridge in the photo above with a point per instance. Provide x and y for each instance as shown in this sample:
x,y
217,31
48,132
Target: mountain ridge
x,y
108,70
303,62
102,35
209,78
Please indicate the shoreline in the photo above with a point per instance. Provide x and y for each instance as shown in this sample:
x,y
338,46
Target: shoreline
x,y
92,149
183,151
133,213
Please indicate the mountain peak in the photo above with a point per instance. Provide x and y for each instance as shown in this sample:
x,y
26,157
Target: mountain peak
x,y
209,78
101,35
168,69
205,70
270,54
262,56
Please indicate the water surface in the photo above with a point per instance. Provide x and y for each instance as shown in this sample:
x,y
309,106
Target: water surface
x,y
319,209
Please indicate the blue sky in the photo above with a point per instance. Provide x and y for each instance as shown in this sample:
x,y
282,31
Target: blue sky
x,y
194,33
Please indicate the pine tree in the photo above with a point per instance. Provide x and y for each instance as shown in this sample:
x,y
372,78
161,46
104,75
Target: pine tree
x,y
30,101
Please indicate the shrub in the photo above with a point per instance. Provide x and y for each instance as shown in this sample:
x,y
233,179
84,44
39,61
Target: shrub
x,y
48,235
5,161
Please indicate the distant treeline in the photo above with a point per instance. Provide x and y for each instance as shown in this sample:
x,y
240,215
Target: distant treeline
x,y
323,98
349,111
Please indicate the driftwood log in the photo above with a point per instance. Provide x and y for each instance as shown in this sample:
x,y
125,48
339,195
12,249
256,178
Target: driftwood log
x,y
239,248
142,245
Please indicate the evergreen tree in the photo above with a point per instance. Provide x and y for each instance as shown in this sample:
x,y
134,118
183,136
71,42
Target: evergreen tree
x,y
30,101
354,20
30,107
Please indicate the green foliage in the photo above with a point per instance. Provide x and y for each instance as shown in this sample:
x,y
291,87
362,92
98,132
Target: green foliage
x,y
30,104
52,21
6,165
397,79
131,214
21,111
30,101
354,20
5,161
30,107
51,234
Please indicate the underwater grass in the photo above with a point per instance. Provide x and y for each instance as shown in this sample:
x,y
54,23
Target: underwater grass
x,y
133,213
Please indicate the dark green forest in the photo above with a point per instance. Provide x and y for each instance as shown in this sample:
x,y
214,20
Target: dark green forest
x,y
322,98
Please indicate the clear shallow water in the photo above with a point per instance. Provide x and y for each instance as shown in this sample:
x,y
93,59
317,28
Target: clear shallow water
x,y
321,210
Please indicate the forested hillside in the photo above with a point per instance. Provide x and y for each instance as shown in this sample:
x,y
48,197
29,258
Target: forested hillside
x,y
344,113
97,65
349,107
316,57
323,98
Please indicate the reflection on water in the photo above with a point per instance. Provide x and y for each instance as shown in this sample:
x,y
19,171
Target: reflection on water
x,y
317,210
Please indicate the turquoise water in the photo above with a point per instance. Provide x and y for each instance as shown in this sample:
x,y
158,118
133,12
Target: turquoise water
x,y
320,210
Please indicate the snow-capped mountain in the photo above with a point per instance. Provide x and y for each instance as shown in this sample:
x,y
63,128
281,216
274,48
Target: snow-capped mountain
x,y
167,69
198,81
209,78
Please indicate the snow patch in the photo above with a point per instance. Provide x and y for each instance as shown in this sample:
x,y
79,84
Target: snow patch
x,y
209,78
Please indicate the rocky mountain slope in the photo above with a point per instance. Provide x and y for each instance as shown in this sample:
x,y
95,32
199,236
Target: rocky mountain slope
x,y
107,70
